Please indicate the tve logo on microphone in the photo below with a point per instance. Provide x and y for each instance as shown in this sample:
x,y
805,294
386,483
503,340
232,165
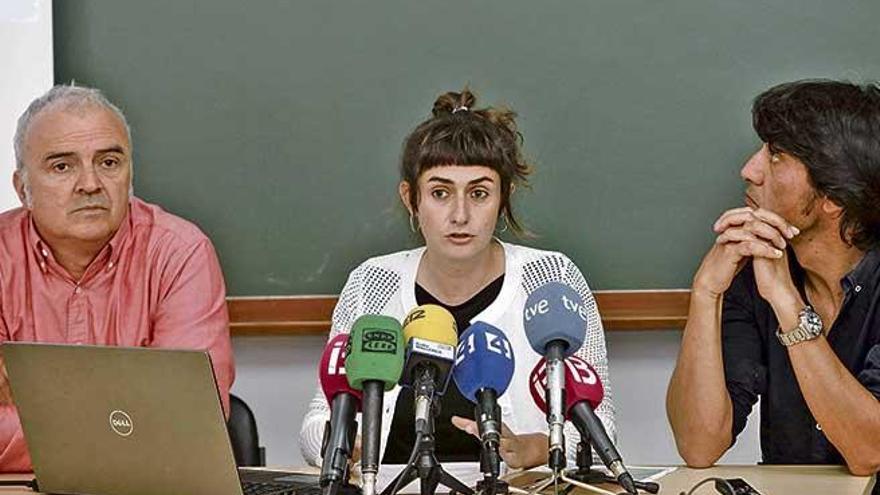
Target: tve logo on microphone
x,y
575,307
542,307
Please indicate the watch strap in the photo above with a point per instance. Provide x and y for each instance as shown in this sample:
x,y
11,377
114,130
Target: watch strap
x,y
800,333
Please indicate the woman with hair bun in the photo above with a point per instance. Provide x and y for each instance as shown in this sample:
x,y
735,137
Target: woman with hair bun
x,y
459,170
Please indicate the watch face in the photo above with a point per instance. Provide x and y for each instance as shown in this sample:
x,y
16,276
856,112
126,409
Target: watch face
x,y
811,321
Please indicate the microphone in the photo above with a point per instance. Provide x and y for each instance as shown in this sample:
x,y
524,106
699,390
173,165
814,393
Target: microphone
x,y
555,321
340,430
431,336
584,394
483,369
431,322
373,363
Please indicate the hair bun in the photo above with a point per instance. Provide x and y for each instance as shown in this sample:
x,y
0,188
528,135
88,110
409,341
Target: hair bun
x,y
452,102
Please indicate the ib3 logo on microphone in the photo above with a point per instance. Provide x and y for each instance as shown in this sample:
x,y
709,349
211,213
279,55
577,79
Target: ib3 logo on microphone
x,y
379,340
336,363
121,424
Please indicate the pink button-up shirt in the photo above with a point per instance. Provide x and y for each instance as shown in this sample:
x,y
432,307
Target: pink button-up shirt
x,y
157,283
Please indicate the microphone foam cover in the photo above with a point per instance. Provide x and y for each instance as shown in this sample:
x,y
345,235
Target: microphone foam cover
x,y
484,360
331,370
430,322
538,384
375,351
555,311
581,384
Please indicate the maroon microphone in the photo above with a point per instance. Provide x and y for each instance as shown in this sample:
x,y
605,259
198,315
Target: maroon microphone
x,y
583,394
580,378
345,402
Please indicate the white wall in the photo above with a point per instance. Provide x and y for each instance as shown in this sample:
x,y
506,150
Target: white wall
x,y
277,377
26,68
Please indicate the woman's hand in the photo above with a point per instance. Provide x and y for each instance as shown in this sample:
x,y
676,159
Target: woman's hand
x,y
518,451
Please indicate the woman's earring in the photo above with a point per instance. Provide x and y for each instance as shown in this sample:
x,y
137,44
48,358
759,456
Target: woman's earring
x,y
504,229
412,225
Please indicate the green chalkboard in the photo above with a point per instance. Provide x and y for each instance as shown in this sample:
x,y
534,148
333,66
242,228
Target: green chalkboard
x,y
277,125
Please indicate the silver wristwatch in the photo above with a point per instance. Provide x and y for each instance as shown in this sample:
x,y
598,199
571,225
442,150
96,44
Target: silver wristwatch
x,y
809,327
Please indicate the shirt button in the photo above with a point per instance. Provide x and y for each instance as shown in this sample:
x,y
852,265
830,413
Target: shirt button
x,y
45,253
77,290
43,265
858,288
818,427
110,265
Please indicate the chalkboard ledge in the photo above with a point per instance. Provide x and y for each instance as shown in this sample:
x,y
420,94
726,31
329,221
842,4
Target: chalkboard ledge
x,y
621,310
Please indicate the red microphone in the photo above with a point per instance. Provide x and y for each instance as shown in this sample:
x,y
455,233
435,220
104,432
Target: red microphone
x,y
581,384
332,370
583,393
345,402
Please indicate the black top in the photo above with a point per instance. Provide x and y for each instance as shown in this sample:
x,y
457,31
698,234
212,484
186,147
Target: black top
x,y
756,364
451,444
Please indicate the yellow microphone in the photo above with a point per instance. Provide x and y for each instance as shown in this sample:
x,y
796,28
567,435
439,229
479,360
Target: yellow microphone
x,y
431,337
432,323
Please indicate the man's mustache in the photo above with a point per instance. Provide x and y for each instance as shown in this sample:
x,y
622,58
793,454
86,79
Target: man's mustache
x,y
99,202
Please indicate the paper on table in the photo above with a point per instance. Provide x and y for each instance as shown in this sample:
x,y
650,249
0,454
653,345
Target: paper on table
x,y
644,473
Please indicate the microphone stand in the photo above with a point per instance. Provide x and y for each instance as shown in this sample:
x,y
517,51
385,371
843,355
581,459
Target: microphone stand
x,y
490,484
425,466
555,393
584,473
487,412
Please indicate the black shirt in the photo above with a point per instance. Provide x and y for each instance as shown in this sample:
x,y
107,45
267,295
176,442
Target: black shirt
x,y
756,364
451,444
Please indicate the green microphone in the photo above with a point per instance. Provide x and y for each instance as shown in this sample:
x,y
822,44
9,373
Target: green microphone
x,y
373,363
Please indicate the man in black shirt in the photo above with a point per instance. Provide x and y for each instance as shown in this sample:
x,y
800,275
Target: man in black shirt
x,y
786,304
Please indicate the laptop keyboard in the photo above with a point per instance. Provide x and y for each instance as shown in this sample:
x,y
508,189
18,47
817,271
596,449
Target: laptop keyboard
x,y
261,488
260,481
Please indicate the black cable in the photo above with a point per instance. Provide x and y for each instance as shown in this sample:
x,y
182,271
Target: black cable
x,y
721,485
409,463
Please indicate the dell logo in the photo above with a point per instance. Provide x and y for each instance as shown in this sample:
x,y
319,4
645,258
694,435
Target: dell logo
x,y
120,423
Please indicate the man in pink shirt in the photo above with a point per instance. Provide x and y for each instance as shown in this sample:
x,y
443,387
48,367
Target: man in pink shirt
x,y
86,262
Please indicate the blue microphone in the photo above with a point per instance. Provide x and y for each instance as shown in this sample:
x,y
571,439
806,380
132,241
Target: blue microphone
x,y
555,322
484,365
555,315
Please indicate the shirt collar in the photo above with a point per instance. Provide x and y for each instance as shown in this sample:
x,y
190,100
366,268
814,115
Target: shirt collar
x,y
119,238
109,253
41,249
863,272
